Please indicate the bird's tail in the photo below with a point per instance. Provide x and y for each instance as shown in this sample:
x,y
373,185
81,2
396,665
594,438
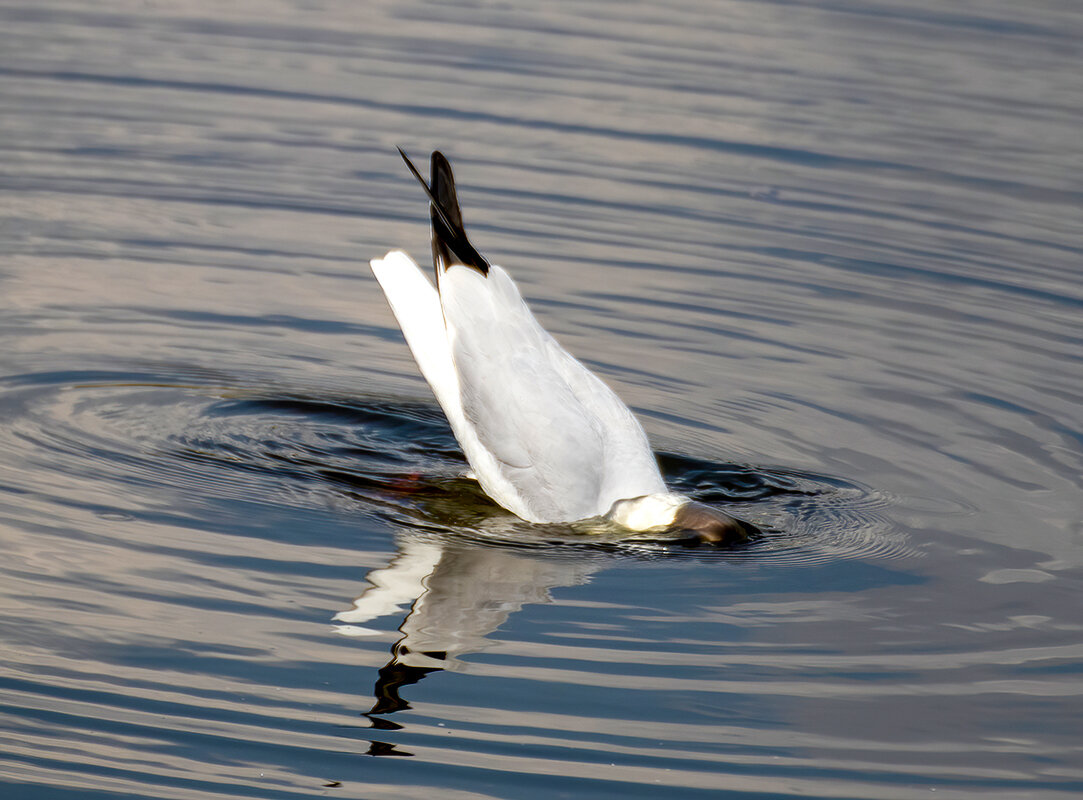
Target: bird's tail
x,y
449,242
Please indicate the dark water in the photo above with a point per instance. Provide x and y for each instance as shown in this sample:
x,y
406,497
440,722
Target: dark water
x,y
831,253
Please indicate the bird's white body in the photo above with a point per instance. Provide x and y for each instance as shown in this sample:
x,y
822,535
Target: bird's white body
x,y
545,437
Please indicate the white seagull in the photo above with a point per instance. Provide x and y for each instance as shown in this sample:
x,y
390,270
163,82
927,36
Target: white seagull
x,y
545,437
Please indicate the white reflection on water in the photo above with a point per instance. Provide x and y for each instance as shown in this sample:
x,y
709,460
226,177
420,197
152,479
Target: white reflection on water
x,y
457,595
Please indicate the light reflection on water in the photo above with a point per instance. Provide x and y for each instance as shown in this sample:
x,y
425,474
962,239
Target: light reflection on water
x,y
829,254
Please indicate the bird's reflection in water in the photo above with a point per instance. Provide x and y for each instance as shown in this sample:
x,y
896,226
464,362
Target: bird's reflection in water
x,y
457,593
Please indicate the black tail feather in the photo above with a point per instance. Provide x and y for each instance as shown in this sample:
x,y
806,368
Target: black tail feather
x,y
449,243
444,213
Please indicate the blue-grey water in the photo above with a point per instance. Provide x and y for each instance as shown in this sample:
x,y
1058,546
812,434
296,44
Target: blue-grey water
x,y
830,252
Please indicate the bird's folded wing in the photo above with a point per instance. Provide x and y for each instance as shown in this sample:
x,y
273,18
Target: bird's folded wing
x,y
416,306
563,441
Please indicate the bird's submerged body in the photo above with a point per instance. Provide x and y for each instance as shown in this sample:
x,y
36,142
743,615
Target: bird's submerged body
x,y
545,437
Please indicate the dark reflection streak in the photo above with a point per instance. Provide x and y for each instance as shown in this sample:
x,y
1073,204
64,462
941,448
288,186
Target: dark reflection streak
x,y
381,724
653,378
286,321
210,197
385,749
188,244
396,674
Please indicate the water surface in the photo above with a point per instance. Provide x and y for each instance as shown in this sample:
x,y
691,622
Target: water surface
x,y
830,253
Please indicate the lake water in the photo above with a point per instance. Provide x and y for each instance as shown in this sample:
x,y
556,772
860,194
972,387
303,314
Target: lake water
x,y
831,254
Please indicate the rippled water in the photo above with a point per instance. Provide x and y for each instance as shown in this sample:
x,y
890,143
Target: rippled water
x,y
830,253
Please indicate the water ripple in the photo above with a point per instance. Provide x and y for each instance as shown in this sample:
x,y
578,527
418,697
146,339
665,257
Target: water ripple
x,y
392,457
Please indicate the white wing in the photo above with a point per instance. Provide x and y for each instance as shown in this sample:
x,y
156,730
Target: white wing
x,y
416,306
560,437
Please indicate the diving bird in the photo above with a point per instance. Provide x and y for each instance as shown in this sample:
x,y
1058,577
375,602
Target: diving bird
x,y
545,437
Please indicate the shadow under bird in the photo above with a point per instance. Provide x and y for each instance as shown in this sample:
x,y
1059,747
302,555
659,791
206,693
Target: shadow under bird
x,y
545,437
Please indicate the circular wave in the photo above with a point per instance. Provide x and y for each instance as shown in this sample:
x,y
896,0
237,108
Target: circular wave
x,y
393,458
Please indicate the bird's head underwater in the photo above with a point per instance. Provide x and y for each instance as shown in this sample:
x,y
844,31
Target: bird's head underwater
x,y
696,523
690,522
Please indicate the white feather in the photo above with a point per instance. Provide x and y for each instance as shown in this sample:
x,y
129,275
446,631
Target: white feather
x,y
416,306
546,438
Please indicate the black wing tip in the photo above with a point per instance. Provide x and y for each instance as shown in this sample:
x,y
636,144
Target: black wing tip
x,y
438,162
449,235
414,170
438,159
